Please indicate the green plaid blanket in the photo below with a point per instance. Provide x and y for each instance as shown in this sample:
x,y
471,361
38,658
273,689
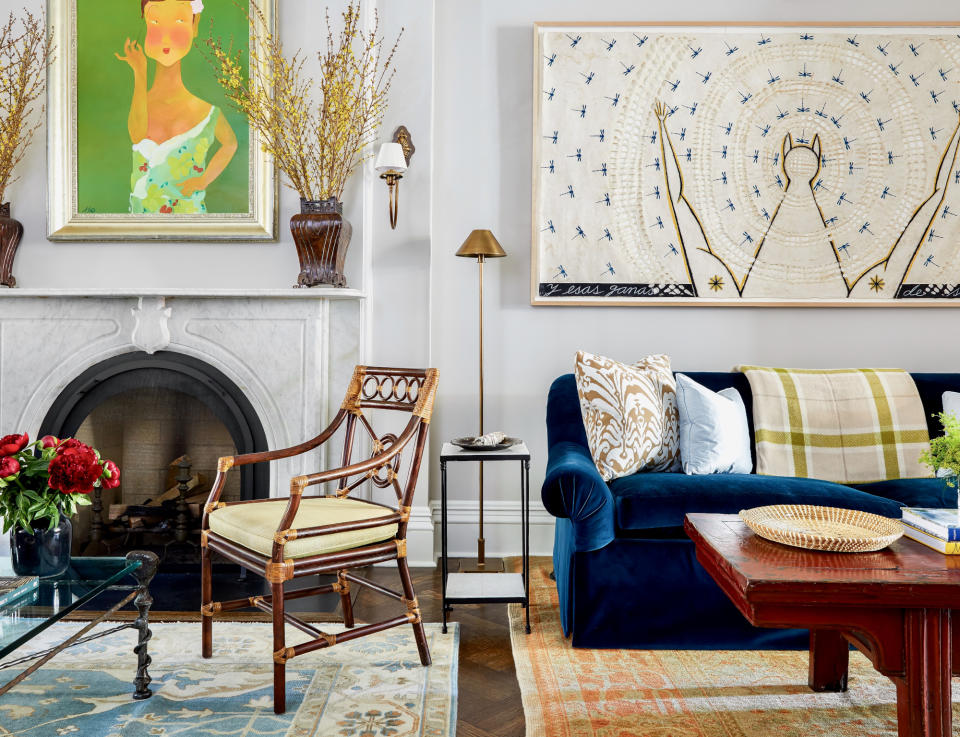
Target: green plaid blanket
x,y
843,425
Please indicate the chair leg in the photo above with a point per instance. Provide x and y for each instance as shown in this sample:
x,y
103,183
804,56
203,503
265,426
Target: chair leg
x,y
409,595
279,644
206,598
345,602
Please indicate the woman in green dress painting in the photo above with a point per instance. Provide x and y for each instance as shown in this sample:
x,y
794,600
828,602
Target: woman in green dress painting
x,y
172,130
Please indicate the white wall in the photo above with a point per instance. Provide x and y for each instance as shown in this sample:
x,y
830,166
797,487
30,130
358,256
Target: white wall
x,y
483,148
400,313
399,274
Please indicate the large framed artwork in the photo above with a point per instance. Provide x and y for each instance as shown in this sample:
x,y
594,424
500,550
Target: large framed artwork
x,y
142,143
749,164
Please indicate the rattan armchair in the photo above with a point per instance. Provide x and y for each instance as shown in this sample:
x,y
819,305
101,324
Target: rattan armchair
x,y
287,538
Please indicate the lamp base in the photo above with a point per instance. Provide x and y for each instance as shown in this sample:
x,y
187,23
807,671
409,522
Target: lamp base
x,y
489,565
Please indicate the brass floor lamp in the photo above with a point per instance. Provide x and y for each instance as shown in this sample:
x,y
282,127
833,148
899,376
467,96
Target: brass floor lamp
x,y
481,245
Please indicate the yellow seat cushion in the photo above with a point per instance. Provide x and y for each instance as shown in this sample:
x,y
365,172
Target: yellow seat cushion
x,y
253,525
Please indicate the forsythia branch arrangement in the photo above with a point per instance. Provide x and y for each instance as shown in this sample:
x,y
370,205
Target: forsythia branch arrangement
x,y
26,48
317,144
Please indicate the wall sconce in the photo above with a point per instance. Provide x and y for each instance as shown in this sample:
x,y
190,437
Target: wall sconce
x,y
392,161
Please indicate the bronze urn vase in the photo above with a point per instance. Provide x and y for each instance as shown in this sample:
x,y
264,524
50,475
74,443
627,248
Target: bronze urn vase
x,y
10,233
322,237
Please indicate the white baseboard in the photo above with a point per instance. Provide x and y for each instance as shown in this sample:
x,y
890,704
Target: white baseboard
x,y
420,534
501,528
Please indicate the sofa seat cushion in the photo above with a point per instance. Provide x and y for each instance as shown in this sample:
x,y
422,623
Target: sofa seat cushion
x,y
649,501
253,525
914,492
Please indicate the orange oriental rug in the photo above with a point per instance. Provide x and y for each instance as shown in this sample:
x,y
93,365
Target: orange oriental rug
x,y
574,692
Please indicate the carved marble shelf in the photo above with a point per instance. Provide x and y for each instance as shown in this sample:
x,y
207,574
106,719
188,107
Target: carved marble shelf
x,y
196,293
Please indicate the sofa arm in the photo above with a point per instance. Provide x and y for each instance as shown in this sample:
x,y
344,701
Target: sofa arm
x,y
573,488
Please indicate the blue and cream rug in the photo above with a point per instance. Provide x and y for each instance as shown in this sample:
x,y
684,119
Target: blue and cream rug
x,y
370,687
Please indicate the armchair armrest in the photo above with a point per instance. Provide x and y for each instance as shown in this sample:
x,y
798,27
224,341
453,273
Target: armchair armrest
x,y
573,488
225,463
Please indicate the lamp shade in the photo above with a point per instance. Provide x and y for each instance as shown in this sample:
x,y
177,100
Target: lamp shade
x,y
390,158
481,243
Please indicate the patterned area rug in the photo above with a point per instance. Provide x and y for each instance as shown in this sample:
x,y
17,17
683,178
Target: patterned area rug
x,y
573,692
370,687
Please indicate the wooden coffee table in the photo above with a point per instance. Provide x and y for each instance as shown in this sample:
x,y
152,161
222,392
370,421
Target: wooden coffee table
x,y
895,606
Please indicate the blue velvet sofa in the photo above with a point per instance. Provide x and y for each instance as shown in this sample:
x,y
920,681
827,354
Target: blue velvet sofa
x,y
627,575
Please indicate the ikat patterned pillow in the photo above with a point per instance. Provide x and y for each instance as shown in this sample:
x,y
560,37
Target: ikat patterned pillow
x,y
629,413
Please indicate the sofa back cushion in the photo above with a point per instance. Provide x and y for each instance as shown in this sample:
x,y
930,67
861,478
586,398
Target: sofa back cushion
x,y
565,422
931,388
564,419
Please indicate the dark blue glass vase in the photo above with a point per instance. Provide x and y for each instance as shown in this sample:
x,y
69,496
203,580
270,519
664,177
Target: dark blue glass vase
x,y
41,552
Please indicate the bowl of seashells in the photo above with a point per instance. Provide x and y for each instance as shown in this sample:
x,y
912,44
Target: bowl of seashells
x,y
488,441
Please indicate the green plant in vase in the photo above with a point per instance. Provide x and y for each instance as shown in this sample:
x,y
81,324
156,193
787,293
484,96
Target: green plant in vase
x,y
42,484
944,452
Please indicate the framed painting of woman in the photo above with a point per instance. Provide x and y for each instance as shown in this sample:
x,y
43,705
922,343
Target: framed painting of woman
x,y
142,142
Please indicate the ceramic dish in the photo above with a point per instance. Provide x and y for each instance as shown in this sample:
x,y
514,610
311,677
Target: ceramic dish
x,y
468,444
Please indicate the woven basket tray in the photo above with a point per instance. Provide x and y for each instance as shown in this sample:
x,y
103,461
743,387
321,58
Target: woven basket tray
x,y
822,528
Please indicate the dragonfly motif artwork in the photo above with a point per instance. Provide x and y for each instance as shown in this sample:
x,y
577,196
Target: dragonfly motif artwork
x,y
748,165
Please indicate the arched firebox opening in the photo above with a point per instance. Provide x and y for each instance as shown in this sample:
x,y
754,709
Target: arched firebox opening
x,y
151,409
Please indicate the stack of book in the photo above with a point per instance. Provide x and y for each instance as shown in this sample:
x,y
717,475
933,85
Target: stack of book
x,y
16,587
936,528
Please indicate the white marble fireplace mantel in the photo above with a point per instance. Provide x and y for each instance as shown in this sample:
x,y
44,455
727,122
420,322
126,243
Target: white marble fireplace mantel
x,y
291,351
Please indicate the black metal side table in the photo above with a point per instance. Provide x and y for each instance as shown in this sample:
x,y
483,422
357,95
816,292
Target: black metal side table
x,y
482,588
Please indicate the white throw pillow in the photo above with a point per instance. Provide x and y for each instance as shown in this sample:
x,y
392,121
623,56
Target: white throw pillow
x,y
951,403
714,435
629,413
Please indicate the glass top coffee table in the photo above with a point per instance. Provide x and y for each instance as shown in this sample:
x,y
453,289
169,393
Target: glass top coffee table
x,y
55,598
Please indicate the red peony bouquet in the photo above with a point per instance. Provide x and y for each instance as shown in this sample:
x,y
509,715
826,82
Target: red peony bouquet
x,y
39,481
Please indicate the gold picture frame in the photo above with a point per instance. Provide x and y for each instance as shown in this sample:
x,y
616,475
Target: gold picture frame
x,y
252,212
571,262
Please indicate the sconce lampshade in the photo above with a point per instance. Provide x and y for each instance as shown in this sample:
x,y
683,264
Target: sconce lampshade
x,y
390,158
481,243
